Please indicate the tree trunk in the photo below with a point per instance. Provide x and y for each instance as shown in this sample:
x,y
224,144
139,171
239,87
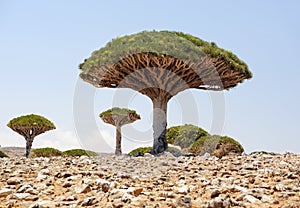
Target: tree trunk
x,y
118,150
28,146
159,126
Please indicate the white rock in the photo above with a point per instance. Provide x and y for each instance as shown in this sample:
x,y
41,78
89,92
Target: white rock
x,y
238,188
88,181
182,190
148,155
13,181
5,192
41,187
101,181
24,188
41,177
45,171
126,198
251,199
216,181
181,182
21,196
279,187
266,198
205,156
82,189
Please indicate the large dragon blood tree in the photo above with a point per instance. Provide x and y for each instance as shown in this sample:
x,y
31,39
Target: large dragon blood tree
x,y
119,117
29,127
160,65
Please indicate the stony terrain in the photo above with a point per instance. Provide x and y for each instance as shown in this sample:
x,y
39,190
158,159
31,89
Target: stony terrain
x,y
256,180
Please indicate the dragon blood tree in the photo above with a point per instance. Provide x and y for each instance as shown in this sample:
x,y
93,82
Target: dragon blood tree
x,y
119,117
160,65
29,127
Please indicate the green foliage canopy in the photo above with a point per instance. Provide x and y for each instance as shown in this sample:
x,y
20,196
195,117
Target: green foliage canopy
x,y
31,120
184,136
211,143
79,152
46,152
119,111
177,44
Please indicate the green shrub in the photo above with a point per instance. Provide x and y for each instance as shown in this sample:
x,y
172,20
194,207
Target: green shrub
x,y
184,136
46,152
216,145
2,154
226,139
205,144
140,151
79,152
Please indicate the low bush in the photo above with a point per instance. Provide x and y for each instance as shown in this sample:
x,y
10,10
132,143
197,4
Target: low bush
x,y
140,151
79,152
216,145
184,136
45,152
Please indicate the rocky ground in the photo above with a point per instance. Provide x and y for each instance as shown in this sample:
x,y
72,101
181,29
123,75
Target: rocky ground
x,y
256,180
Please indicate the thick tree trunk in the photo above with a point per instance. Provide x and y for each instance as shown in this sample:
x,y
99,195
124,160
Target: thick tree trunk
x,y
118,150
28,146
159,126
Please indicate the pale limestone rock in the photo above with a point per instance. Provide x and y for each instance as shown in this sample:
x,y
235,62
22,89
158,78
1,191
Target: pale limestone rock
x,y
4,192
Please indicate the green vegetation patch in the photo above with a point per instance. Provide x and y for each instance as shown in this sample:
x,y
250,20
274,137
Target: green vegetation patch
x,y
119,111
217,145
2,154
31,120
184,136
140,151
46,152
176,44
79,152
226,139
205,144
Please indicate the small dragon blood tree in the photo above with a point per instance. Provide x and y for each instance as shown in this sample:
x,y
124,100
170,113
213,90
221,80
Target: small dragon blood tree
x,y
119,117
29,127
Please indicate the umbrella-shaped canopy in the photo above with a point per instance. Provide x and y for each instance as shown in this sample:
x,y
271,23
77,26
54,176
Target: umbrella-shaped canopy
x,y
160,65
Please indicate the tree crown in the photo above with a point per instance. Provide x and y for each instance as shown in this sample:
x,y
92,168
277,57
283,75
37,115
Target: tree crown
x,y
177,44
120,112
31,120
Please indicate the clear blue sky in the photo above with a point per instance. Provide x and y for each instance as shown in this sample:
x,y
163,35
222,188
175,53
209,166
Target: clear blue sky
x,y
43,42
